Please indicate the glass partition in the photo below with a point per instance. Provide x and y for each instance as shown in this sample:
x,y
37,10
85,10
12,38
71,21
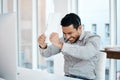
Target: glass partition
x,y
25,33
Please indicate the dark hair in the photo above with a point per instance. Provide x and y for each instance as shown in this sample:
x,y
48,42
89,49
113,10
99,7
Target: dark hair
x,y
71,19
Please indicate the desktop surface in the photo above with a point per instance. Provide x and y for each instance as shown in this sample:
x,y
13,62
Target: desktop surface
x,y
29,74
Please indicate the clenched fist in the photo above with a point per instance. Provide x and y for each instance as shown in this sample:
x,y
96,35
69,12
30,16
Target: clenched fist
x,y
41,41
54,39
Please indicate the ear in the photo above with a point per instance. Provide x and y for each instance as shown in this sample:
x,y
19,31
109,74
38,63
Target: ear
x,y
80,27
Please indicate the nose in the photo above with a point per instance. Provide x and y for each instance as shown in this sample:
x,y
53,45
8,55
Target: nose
x,y
67,36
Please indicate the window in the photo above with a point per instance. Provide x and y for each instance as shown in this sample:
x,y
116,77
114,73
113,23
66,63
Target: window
x,y
0,6
107,31
94,28
25,33
6,6
83,26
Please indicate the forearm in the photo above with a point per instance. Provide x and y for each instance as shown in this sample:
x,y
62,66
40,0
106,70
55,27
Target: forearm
x,y
49,51
81,52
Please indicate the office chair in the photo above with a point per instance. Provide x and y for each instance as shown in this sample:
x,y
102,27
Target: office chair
x,y
100,68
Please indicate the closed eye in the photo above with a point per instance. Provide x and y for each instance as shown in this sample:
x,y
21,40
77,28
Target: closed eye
x,y
68,33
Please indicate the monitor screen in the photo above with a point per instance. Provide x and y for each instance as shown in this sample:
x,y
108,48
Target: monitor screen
x,y
8,46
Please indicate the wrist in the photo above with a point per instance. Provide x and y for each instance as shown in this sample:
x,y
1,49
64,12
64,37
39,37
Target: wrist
x,y
60,45
43,47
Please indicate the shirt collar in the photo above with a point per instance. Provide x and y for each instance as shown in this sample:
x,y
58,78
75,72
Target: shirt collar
x,y
81,35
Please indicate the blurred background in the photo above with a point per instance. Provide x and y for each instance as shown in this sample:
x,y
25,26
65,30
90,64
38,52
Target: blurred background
x,y
34,18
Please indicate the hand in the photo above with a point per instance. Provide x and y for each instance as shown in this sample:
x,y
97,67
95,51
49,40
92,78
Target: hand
x,y
54,39
41,41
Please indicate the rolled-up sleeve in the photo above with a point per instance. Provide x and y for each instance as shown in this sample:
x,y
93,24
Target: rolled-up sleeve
x,y
49,51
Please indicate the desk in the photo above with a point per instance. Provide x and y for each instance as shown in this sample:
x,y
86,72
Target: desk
x,y
29,74
113,54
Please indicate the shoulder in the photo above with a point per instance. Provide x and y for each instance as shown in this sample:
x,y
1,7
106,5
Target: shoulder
x,y
87,35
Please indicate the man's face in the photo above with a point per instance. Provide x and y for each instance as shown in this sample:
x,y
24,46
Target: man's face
x,y
71,34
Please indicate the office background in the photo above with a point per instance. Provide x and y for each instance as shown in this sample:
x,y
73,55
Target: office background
x,y
32,19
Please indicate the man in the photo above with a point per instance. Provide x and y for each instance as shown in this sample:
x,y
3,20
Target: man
x,y
80,48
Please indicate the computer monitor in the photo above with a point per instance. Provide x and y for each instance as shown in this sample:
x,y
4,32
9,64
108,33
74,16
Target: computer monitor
x,y
8,46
